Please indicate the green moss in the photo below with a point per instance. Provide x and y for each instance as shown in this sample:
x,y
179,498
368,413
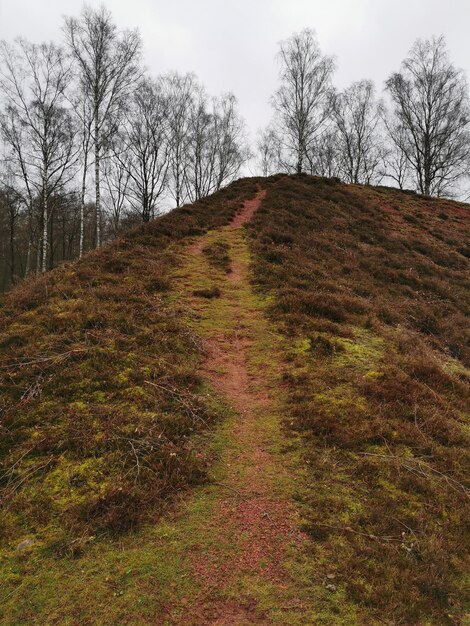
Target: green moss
x,y
361,352
79,406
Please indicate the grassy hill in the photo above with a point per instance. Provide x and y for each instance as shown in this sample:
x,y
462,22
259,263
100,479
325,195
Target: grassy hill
x,y
321,338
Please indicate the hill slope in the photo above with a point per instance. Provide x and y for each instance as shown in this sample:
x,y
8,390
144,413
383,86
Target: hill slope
x,y
306,363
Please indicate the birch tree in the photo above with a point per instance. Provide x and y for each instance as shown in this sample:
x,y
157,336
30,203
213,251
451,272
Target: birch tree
x,y
14,136
357,116
431,117
324,157
180,91
300,103
84,118
267,150
143,151
202,148
37,125
216,147
107,65
231,148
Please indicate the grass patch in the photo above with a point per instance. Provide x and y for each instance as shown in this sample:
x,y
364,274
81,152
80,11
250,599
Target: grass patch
x,y
217,253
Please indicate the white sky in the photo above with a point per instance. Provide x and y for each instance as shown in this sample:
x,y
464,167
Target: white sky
x,y
231,44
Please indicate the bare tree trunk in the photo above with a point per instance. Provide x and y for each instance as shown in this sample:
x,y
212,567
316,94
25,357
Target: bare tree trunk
x,y
97,184
38,255
82,228
44,229
177,186
50,223
145,209
28,257
30,238
12,249
82,208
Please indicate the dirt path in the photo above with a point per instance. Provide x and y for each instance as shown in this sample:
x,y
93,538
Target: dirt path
x,y
242,563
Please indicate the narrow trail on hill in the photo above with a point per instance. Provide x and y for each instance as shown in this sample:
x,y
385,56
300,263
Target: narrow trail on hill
x,y
245,561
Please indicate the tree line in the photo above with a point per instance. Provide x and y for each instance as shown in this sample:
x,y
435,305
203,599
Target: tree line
x,y
91,143
417,137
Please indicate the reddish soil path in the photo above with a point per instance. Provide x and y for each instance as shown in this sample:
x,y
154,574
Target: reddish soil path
x,y
248,210
240,219
251,510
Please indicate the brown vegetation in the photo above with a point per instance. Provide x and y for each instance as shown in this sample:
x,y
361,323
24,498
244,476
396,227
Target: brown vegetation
x,y
99,398
371,285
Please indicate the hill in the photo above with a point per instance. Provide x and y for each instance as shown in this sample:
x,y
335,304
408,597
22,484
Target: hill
x,y
254,409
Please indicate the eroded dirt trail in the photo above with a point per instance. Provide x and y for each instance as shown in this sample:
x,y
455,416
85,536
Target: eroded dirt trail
x,y
244,563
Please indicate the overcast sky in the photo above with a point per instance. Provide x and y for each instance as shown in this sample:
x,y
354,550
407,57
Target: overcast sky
x,y
231,44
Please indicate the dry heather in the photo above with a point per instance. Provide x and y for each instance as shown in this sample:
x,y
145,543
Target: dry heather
x,y
99,399
371,287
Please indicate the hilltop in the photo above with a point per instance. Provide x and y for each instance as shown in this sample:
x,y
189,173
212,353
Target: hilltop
x,y
254,409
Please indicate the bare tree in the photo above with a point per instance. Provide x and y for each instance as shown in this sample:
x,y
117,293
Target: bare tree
x,y
216,147
229,130
84,115
37,125
202,148
356,116
143,149
431,110
180,90
15,138
116,184
395,163
300,102
324,157
267,150
107,62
